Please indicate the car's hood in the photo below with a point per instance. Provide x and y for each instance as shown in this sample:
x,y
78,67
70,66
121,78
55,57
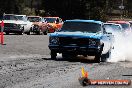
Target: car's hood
x,y
14,21
9,21
77,34
52,23
21,22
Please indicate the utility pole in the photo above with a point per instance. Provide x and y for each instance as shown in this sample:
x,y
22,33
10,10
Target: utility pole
x,y
122,8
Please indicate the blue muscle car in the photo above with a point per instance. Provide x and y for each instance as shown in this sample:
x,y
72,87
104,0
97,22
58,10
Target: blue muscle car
x,y
81,37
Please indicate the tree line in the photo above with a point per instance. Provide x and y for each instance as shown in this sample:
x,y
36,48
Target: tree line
x,y
68,9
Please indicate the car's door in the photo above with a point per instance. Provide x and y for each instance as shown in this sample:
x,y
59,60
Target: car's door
x,y
107,40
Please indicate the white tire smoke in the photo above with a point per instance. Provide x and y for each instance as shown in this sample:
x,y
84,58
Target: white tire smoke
x,y
122,47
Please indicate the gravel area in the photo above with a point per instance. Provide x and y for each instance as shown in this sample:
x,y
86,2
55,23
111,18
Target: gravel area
x,y
25,63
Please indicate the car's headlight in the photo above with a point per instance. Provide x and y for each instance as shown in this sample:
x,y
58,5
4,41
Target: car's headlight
x,y
93,42
53,40
17,26
20,26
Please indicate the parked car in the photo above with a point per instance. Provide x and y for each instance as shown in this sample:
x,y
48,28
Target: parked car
x,y
39,25
81,37
12,24
25,23
55,23
125,25
113,28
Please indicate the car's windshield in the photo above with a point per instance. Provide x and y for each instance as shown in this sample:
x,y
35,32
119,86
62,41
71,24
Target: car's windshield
x,y
112,27
50,20
22,18
125,26
9,17
81,26
34,19
19,17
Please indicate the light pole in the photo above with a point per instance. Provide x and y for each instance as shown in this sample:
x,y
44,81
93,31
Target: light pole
x,y
121,7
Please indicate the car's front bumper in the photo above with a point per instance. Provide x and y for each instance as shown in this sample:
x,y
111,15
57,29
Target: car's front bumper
x,y
12,30
82,50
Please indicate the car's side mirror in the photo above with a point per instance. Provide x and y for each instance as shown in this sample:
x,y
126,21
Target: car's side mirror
x,y
104,31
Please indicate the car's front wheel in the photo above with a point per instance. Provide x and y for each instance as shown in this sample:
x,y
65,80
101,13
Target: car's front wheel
x,y
53,55
21,33
64,55
45,32
29,32
105,56
97,58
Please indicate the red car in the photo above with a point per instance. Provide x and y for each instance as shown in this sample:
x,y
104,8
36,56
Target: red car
x,y
55,23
